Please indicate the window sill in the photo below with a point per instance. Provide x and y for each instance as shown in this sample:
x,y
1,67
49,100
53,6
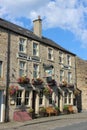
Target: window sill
x,y
50,60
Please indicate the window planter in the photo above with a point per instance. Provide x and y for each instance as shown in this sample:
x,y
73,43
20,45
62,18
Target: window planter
x,y
42,111
23,80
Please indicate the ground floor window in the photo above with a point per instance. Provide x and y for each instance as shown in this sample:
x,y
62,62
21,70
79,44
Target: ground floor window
x,y
41,98
19,98
68,97
23,97
50,99
27,98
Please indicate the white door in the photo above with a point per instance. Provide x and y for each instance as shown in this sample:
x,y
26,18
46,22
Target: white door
x,y
1,105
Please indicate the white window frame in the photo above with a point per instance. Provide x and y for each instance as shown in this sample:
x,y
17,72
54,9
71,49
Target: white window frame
x,y
36,49
68,60
22,45
23,68
19,97
27,98
37,71
69,77
61,75
68,98
50,54
1,68
65,98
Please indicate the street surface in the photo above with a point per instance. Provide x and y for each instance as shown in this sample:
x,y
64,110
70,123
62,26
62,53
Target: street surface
x,y
65,122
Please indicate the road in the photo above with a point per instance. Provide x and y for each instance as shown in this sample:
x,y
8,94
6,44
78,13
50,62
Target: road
x,y
59,124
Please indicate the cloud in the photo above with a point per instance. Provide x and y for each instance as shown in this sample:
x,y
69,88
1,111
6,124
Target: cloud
x,y
66,14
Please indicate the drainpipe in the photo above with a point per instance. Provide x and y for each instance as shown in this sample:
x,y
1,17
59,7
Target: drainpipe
x,y
7,80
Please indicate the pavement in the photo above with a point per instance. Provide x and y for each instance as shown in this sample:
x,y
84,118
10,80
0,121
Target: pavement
x,y
14,124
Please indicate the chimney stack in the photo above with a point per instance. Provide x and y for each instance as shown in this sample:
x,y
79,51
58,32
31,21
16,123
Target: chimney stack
x,y
37,29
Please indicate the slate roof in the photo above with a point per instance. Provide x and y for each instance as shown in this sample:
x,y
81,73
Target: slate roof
x,y
27,33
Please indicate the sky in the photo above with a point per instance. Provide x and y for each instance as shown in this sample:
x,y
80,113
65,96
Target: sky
x,y
63,21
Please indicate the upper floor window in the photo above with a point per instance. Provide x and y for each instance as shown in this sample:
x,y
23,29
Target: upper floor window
x,y
68,60
61,75
22,68
0,69
69,77
22,45
60,57
35,70
50,54
35,49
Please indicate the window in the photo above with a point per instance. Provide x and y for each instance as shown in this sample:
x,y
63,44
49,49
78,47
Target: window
x,y
70,98
65,98
41,98
22,45
35,49
50,99
35,70
68,60
61,75
60,57
50,54
69,77
0,69
22,69
26,97
19,98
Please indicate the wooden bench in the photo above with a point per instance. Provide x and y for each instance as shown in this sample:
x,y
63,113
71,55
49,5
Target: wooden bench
x,y
50,110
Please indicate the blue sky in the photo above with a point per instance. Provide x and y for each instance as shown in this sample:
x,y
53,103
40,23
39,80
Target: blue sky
x,y
64,21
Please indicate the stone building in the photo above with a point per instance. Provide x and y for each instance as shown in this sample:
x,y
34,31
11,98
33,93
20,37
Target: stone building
x,y
34,71
81,74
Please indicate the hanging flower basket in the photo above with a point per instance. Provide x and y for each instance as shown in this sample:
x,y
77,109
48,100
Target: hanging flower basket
x,y
37,81
12,90
47,91
23,80
64,83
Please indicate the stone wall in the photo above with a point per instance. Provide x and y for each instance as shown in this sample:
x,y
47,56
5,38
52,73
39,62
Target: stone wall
x,y
81,71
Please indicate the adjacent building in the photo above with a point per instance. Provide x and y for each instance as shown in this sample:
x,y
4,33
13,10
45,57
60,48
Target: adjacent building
x,y
34,71
81,74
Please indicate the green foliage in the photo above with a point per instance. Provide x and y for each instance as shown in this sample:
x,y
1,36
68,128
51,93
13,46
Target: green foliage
x,y
65,107
42,109
57,108
30,110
